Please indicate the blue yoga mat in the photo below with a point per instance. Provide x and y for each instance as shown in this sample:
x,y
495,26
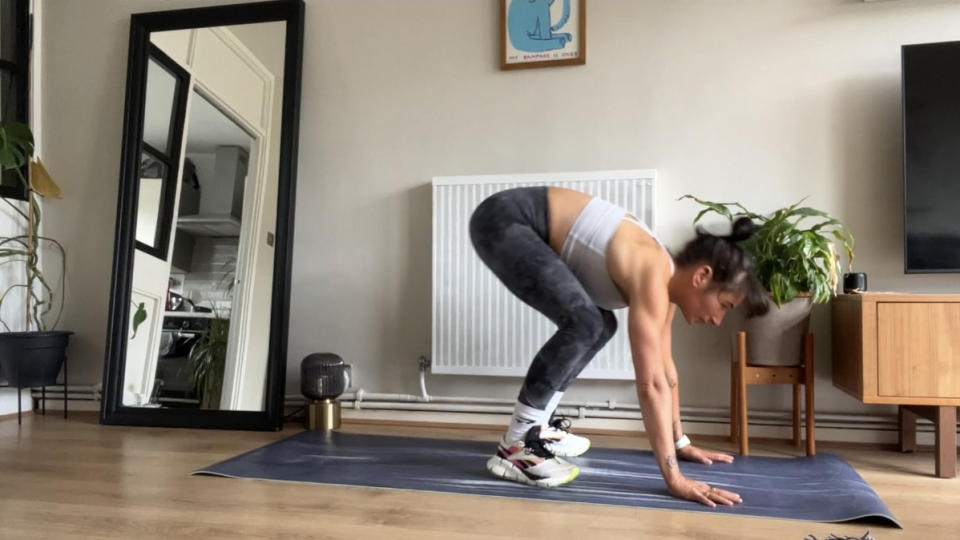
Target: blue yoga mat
x,y
819,488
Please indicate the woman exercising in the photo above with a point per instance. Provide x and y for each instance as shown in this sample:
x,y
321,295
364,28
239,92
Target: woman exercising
x,y
575,258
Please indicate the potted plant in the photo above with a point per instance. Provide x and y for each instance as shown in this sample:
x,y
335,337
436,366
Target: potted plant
x,y
209,356
35,355
793,250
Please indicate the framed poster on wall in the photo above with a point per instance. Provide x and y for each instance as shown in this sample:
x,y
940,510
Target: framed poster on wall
x,y
542,33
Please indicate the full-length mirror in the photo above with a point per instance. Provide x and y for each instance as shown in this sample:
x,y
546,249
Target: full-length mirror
x,y
198,308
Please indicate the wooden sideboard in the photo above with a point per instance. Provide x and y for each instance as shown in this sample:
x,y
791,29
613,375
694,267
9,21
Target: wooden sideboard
x,y
903,349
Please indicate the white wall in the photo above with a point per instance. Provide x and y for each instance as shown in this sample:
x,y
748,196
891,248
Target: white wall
x,y
761,102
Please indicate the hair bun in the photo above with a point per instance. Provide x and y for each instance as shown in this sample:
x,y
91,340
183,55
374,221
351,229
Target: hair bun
x,y
743,228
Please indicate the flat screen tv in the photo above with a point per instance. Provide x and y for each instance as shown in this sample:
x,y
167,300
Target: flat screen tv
x,y
931,159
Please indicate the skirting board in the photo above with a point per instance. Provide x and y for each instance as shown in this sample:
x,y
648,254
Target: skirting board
x,y
869,435
72,404
56,404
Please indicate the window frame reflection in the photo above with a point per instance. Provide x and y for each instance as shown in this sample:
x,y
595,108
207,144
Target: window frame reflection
x,y
170,156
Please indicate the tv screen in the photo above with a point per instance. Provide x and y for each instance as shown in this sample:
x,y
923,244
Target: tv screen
x,y
931,161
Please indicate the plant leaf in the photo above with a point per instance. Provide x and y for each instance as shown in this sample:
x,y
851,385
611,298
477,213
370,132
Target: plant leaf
x,y
16,145
42,182
8,158
719,208
138,318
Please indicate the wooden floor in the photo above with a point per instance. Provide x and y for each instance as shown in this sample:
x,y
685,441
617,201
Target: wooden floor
x,y
76,479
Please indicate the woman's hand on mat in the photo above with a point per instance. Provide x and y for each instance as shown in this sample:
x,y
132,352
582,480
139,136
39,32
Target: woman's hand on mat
x,y
699,455
692,490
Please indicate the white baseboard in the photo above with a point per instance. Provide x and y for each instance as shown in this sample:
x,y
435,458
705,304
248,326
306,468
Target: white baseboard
x,y
8,401
764,424
56,404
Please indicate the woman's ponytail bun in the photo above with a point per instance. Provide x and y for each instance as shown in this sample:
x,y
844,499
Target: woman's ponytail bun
x,y
743,228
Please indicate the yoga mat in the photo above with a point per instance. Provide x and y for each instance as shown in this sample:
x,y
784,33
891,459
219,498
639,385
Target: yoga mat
x,y
819,488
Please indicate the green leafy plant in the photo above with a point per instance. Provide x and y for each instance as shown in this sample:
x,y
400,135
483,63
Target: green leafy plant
x,y
228,272
208,358
16,150
791,257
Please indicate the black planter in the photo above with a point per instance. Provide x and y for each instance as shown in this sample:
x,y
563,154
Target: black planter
x,y
33,358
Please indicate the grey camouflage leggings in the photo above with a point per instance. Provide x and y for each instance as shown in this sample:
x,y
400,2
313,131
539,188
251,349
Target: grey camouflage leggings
x,y
510,232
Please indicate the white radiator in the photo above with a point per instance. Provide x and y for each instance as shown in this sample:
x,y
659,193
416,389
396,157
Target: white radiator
x,y
479,327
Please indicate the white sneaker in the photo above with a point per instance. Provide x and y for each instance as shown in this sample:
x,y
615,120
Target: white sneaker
x,y
529,462
560,441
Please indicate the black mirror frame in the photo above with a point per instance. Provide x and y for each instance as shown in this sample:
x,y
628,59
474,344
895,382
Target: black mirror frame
x,y
112,410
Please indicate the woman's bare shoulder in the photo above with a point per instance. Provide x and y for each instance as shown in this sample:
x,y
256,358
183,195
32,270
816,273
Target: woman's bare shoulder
x,y
637,266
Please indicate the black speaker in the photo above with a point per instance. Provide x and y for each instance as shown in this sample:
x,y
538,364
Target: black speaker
x,y
323,376
854,282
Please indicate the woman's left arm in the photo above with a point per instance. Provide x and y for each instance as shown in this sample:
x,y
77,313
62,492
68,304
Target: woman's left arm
x,y
670,370
688,452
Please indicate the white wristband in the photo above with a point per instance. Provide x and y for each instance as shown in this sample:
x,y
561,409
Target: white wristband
x,y
684,441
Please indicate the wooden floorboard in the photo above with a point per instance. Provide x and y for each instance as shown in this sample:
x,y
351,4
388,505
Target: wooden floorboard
x,y
77,479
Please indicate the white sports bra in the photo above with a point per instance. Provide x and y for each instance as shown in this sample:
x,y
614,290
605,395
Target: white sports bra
x,y
585,250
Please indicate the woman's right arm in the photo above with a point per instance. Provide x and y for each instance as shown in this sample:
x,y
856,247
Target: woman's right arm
x,y
648,312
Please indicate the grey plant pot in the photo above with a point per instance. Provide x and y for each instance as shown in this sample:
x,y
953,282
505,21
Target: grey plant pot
x,y
776,339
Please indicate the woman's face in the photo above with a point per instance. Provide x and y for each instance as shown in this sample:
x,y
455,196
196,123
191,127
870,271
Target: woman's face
x,y
702,303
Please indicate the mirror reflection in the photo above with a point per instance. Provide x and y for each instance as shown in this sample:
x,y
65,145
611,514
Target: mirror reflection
x,y
200,314
166,88
153,173
158,112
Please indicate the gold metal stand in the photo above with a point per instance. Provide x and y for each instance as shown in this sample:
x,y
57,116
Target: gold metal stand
x,y
324,415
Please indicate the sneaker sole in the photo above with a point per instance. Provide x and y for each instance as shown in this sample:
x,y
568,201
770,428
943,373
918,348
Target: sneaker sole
x,y
561,453
502,468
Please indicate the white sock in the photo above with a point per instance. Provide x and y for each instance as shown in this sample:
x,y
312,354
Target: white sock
x,y
525,417
552,406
